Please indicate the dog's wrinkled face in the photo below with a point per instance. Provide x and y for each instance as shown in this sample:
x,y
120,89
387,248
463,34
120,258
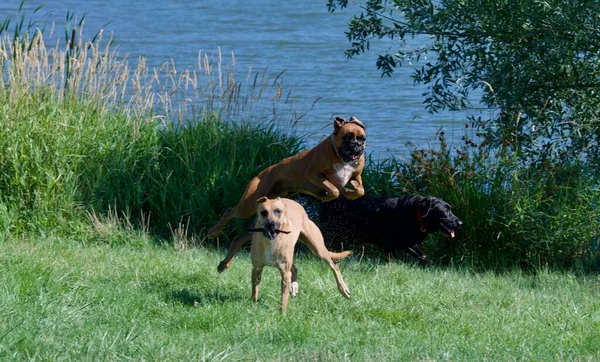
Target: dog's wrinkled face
x,y
271,217
350,138
437,215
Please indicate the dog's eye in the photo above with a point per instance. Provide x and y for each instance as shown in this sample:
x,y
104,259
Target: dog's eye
x,y
277,212
264,213
361,139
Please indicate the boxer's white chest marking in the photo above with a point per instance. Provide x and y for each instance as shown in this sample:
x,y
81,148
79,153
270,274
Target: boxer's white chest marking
x,y
343,172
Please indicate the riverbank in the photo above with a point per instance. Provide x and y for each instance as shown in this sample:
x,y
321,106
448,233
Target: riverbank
x,y
88,142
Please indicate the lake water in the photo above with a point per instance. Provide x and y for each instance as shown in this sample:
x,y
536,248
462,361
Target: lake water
x,y
298,37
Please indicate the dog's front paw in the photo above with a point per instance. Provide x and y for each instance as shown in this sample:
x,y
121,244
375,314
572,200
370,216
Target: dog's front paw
x,y
294,289
353,194
329,195
344,291
223,265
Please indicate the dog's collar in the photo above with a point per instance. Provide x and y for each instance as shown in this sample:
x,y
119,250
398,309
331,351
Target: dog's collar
x,y
254,230
337,152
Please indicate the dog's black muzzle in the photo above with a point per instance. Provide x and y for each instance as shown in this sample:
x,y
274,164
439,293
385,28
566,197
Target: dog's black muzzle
x,y
352,151
270,230
450,225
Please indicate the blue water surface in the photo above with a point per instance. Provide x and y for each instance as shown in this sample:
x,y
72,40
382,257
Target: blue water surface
x,y
300,38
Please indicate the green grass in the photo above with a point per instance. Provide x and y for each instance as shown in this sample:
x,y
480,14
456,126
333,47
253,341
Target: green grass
x,y
63,300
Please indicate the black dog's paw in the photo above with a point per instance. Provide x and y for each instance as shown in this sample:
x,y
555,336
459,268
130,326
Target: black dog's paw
x,y
425,262
222,267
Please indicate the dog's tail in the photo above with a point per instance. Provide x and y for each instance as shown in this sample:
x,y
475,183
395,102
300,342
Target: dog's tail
x,y
339,256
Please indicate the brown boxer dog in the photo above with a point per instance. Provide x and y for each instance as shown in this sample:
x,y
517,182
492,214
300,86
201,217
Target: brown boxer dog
x,y
279,224
321,171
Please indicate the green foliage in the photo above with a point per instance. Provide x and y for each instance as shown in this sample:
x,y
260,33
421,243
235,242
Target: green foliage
x,y
60,159
39,154
513,216
184,174
84,161
535,62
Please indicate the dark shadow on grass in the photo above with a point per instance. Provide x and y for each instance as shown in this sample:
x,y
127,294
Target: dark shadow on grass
x,y
176,292
205,297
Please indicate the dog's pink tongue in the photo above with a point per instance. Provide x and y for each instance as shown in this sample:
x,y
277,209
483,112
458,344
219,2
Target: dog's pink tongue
x,y
354,157
452,234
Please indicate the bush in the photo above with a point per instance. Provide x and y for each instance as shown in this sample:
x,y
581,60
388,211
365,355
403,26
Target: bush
x,y
513,216
528,193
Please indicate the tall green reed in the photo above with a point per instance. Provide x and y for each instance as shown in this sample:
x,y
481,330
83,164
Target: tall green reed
x,y
85,134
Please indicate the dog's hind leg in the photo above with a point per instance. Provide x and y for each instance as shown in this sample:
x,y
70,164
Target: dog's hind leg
x,y
294,286
256,276
245,208
236,244
218,227
341,285
312,237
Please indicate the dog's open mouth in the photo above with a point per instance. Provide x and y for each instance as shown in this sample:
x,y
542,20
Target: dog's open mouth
x,y
269,233
351,155
448,231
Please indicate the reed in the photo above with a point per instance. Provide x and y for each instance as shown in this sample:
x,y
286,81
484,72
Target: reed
x,y
85,133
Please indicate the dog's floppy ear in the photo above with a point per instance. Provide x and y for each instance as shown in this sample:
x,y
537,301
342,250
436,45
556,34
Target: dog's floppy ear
x,y
262,200
424,204
357,122
338,122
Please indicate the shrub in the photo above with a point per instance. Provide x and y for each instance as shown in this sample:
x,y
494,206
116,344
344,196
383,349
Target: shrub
x,y
513,216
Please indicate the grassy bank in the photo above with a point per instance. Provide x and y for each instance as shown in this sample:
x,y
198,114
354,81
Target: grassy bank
x,y
66,300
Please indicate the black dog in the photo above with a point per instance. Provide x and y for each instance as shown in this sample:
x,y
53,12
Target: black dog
x,y
390,222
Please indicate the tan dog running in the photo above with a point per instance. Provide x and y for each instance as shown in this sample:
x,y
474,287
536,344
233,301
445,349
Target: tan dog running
x,y
279,224
321,172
